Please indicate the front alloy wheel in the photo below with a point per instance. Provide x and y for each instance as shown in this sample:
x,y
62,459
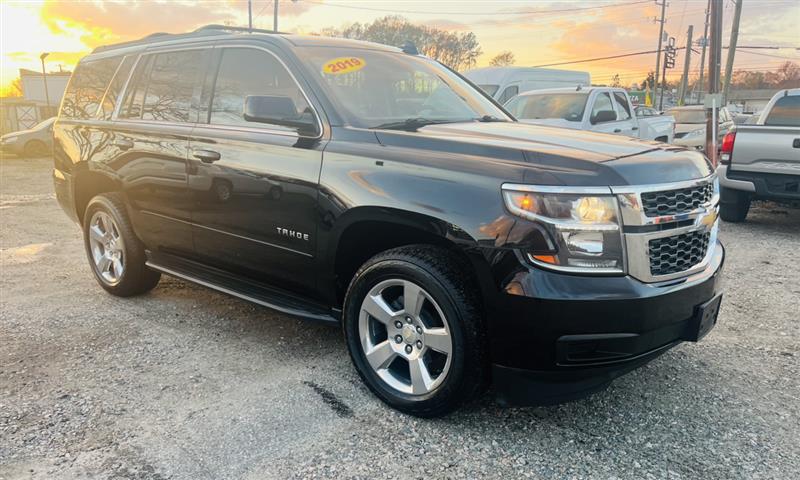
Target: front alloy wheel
x,y
405,337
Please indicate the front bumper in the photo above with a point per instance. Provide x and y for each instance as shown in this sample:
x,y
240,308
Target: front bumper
x,y
557,337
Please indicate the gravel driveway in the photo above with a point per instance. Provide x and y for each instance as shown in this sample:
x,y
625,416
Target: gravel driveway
x,y
186,383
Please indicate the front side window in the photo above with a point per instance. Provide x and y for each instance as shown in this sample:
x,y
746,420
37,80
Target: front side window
x,y
86,88
623,112
248,72
602,103
785,112
566,106
508,93
383,89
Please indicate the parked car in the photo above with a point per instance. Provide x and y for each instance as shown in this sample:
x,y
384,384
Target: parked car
x,y
599,109
455,246
36,141
762,161
504,83
690,125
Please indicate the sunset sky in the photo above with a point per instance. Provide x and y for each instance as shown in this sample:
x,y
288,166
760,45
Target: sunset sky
x,y
537,32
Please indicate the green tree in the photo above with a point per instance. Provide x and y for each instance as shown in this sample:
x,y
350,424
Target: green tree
x,y
503,59
458,50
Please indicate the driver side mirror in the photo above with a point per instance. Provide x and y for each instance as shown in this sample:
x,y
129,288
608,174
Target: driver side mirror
x,y
603,116
279,110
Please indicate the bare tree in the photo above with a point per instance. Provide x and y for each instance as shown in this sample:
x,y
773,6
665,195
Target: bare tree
x,y
503,59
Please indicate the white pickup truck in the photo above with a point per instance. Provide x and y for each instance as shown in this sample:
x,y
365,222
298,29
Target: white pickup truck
x,y
599,109
762,161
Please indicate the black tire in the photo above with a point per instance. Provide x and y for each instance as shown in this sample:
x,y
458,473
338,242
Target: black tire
x,y
35,148
734,205
448,280
136,277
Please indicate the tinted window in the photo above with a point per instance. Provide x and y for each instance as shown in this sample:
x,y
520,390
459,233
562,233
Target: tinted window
x,y
110,100
86,88
569,106
247,71
489,89
508,94
623,112
134,94
602,102
173,83
785,112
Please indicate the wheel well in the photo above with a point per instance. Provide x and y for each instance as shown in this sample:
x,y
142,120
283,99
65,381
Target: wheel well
x,y
363,240
89,184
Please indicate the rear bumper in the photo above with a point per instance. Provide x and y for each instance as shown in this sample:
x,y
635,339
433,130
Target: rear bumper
x,y
762,185
569,336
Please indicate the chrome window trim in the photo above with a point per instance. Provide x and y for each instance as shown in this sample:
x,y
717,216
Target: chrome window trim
x,y
124,91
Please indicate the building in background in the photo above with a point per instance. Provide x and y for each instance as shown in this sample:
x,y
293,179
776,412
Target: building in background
x,y
20,113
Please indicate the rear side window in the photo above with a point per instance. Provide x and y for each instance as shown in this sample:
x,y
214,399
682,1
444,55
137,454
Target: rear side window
x,y
623,112
112,94
164,86
87,87
247,71
785,112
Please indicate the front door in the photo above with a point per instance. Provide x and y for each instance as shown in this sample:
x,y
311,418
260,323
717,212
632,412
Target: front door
x,y
254,184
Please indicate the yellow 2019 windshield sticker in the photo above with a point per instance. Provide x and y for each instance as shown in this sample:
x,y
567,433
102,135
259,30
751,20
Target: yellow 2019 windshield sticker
x,y
341,65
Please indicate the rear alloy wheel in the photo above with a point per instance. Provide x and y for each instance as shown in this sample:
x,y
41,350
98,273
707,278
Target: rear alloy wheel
x,y
414,328
115,253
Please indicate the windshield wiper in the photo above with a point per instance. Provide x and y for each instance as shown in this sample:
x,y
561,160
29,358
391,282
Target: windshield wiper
x,y
410,124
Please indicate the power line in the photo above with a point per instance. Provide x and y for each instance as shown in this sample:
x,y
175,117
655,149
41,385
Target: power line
x,y
483,14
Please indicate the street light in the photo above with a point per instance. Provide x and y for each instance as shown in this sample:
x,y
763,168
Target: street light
x,y
44,79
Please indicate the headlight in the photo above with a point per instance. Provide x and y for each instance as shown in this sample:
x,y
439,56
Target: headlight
x,y
10,139
583,226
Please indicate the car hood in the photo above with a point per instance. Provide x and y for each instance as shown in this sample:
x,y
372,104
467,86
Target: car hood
x,y
559,155
552,122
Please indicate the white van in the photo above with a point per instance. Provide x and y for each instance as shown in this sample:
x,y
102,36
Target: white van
x,y
504,83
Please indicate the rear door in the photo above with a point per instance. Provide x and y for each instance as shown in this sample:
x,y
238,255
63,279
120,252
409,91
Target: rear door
x,y
151,137
254,184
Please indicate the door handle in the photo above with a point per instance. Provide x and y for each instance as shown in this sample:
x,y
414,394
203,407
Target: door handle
x,y
617,130
123,144
796,143
206,156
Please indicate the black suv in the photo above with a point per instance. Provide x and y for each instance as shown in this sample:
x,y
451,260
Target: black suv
x,y
369,186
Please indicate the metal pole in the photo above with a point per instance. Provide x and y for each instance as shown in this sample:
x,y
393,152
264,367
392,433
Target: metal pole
x,y
250,15
658,54
703,54
714,63
737,14
275,17
44,80
686,63
663,83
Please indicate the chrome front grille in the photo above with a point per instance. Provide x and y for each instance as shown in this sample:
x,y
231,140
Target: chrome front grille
x,y
678,253
670,230
678,201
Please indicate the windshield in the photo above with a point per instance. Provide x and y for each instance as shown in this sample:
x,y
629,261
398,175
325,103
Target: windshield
x,y
567,106
490,89
373,88
688,116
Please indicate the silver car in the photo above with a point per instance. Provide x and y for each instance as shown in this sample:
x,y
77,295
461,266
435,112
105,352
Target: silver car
x,y
34,142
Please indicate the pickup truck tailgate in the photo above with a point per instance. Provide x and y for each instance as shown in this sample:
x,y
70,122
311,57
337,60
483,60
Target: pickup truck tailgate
x,y
766,149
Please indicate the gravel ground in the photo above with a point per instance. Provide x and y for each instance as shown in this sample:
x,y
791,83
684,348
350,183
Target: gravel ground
x,y
186,383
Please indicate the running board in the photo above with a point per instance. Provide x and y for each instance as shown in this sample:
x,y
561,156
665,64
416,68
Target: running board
x,y
245,289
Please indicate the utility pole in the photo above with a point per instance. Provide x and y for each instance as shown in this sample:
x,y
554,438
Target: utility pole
x,y
250,15
687,59
737,14
275,18
44,80
669,62
712,100
703,54
663,5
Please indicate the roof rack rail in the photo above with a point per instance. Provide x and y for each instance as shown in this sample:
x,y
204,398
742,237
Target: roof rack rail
x,y
212,29
228,28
